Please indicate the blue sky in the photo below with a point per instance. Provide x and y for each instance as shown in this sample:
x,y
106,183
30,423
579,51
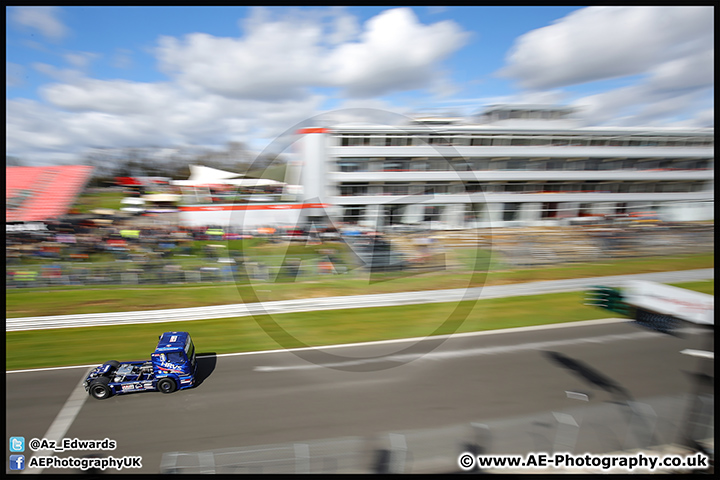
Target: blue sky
x,y
79,78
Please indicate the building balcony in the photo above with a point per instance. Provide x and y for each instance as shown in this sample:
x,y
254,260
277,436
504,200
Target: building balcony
x,y
450,151
706,196
523,175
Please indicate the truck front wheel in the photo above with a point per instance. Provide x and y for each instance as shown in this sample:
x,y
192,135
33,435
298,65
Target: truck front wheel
x,y
166,385
100,389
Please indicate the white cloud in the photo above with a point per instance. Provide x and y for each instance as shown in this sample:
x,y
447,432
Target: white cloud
x,y
666,54
395,52
281,71
250,88
14,74
118,113
122,58
638,105
69,75
275,64
80,60
343,27
599,43
283,58
693,71
108,96
42,19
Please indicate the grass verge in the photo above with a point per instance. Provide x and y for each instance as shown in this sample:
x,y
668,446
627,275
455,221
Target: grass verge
x,y
79,346
82,300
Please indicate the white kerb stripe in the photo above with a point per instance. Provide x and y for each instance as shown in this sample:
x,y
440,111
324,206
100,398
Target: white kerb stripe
x,y
64,419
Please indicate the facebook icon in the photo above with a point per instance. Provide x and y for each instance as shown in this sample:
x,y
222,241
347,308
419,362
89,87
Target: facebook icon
x,y
17,462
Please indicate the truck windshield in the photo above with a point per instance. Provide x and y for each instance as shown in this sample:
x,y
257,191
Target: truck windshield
x,y
190,351
176,358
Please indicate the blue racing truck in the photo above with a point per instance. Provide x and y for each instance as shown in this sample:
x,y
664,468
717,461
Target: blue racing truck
x,y
171,367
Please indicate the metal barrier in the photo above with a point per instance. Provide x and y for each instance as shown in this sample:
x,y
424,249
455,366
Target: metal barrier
x,y
99,274
541,247
343,455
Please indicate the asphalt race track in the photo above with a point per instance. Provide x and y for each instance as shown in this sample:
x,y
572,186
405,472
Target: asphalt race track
x,y
374,389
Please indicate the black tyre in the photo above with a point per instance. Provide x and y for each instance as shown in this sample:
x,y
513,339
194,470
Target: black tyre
x,y
114,364
166,385
100,389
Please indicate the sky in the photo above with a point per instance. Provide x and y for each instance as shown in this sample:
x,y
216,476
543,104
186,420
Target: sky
x,y
85,78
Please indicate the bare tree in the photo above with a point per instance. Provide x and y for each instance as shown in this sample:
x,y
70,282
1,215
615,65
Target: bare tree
x,y
162,162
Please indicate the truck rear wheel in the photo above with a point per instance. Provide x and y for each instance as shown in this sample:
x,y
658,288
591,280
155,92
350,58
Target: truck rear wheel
x,y
166,385
100,389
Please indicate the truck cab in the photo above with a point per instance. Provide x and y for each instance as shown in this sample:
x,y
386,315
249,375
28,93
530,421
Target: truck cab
x,y
174,357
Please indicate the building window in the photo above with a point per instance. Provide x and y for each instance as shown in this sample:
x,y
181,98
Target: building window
x,y
520,142
515,187
353,215
549,210
353,140
551,187
517,164
473,187
462,165
395,165
351,166
353,189
436,188
419,165
432,213
592,164
397,140
394,214
481,141
607,164
480,163
590,187
511,212
554,165
475,212
439,165
396,188
435,139
375,140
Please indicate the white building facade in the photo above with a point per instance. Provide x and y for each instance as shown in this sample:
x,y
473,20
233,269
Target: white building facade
x,y
512,166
